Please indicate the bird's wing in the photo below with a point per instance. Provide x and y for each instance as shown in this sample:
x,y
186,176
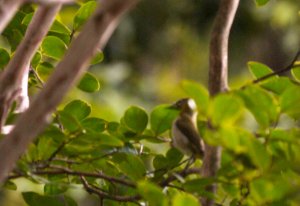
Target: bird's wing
x,y
187,128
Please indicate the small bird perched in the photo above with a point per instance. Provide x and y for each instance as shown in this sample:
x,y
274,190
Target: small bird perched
x,y
184,129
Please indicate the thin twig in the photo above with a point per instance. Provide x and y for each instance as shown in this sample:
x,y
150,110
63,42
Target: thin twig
x,y
106,196
289,67
36,75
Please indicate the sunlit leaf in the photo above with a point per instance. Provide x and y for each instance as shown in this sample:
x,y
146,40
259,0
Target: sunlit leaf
x,y
44,70
152,193
185,199
261,2
83,14
89,83
78,109
34,199
136,119
290,102
4,58
97,58
53,47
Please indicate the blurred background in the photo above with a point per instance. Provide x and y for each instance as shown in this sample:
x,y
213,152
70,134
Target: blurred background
x,y
159,43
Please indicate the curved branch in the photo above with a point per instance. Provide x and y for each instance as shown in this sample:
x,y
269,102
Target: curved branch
x,y
218,81
95,34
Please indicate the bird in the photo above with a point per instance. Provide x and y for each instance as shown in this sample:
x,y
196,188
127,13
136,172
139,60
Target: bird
x,y
184,129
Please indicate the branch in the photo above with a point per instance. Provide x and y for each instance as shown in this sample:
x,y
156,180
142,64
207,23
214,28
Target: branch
x,y
289,67
106,196
218,82
50,2
17,69
8,8
95,33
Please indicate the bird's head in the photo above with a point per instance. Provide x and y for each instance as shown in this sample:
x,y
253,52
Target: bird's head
x,y
186,106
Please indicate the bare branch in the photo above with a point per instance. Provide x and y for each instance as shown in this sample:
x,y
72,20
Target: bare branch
x,y
106,196
288,68
8,8
94,34
218,81
12,77
49,2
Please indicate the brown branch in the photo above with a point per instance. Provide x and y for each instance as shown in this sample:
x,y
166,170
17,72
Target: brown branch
x,y
50,2
17,68
8,8
218,82
288,68
106,196
95,33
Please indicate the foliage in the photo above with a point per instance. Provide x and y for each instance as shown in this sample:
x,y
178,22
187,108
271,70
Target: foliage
x,y
259,167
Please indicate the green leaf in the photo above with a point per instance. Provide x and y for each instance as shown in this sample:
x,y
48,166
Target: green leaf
x,y
15,24
83,14
68,121
160,162
44,70
260,70
279,134
97,58
136,119
55,189
290,102
198,185
256,151
226,109
261,2
161,119
53,47
56,26
4,58
296,73
94,124
185,199
32,153
278,85
105,139
36,59
34,199
10,185
70,201
89,83
198,93
78,109
152,194
46,147
174,156
261,104
133,167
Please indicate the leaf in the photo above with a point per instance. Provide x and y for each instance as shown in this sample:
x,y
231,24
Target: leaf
x,y
44,70
36,59
133,167
68,121
32,153
10,185
174,156
198,93
46,147
279,134
105,139
83,14
185,199
56,26
89,83
278,85
53,47
160,162
136,119
261,2
260,70
55,189
4,58
34,199
94,124
296,73
15,24
97,58
152,194
261,104
226,109
198,185
290,102
70,201
161,119
78,109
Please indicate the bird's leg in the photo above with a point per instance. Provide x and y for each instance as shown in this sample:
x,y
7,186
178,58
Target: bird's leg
x,y
191,161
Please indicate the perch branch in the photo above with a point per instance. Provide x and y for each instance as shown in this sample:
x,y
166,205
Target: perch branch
x,y
8,8
17,69
218,82
94,35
